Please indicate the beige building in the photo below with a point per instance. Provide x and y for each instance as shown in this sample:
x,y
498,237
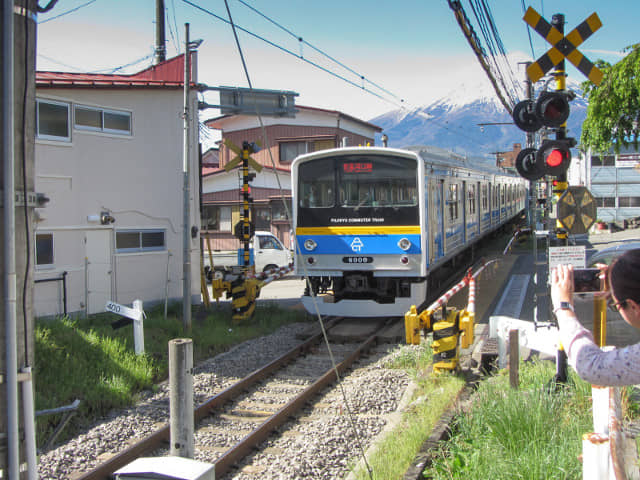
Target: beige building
x,y
310,130
109,156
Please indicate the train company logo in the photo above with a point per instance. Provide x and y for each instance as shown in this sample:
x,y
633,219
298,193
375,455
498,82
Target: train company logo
x,y
356,244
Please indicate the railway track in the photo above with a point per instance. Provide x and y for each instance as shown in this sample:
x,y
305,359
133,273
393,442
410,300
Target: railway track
x,y
232,424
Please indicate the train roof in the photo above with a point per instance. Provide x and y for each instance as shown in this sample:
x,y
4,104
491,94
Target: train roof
x,y
440,156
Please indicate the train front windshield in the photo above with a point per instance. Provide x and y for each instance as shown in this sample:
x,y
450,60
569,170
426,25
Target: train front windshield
x,y
357,190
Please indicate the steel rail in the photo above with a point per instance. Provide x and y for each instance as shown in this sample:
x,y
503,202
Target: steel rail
x,y
248,444
163,434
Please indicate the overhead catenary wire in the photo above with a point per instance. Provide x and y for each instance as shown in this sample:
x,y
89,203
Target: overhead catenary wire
x,y
67,12
321,52
401,106
288,213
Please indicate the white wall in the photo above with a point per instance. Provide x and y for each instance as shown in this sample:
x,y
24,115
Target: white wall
x,y
138,179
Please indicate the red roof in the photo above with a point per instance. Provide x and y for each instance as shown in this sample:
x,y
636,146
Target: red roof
x,y
168,74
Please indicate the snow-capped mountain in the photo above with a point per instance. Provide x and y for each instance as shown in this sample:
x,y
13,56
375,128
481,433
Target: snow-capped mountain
x,y
454,122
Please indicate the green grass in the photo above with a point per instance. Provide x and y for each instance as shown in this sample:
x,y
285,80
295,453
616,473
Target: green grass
x,y
432,397
85,358
534,432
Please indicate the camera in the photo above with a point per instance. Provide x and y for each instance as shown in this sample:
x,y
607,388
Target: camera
x,y
587,280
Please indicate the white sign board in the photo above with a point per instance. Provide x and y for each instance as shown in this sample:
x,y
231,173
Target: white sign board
x,y
576,256
124,311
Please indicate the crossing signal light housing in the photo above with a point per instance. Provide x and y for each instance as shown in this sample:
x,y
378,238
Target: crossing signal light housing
x,y
554,157
527,165
524,116
552,109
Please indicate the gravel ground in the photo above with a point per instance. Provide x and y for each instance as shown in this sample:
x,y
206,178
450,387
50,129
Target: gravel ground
x,y
320,443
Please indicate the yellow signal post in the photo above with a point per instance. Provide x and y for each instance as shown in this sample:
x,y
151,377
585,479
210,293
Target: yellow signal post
x,y
445,341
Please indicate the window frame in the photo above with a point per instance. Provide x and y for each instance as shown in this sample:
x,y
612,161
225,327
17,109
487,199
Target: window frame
x,y
41,136
44,266
141,248
102,128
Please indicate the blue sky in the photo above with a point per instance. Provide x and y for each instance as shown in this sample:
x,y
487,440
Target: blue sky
x,y
411,48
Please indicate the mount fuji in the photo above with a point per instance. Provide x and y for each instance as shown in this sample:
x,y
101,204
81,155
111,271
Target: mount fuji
x,y
453,122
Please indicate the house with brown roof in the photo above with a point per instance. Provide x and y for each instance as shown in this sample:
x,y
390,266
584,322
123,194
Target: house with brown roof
x,y
281,139
109,156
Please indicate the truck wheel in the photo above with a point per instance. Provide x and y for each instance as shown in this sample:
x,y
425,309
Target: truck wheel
x,y
269,267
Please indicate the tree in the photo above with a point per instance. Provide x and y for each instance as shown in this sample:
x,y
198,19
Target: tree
x,y
613,115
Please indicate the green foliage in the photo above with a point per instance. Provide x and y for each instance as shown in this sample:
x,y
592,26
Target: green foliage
x,y
531,433
613,114
86,359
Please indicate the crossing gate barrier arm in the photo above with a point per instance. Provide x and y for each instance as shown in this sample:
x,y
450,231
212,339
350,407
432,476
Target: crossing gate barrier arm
x,y
447,324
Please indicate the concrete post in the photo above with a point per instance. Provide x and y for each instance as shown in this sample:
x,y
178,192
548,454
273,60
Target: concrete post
x,y
138,328
181,397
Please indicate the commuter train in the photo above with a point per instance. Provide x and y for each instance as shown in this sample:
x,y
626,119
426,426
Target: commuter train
x,y
374,225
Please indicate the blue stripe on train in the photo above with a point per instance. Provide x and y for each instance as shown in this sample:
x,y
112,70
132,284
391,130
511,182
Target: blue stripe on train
x,y
359,244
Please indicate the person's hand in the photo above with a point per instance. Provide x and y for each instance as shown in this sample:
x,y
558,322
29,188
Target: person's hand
x,y
604,277
562,285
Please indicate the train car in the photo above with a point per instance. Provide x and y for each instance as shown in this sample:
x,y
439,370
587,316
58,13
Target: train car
x,y
373,225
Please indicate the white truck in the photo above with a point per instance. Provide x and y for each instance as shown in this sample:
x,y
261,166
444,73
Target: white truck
x,y
269,254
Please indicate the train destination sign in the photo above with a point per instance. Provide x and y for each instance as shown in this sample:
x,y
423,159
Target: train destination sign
x,y
357,167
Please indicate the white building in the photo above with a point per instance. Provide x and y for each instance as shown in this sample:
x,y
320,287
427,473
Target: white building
x,y
614,181
109,156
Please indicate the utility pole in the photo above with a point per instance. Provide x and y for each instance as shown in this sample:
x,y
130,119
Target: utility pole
x,y
186,210
17,79
161,48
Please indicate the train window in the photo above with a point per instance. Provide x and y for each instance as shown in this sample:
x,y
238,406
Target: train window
x,y
453,200
485,197
377,182
316,184
471,196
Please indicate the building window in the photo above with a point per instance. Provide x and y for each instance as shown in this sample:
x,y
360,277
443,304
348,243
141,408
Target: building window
x,y
603,160
628,201
101,120
290,150
605,201
44,249
216,218
139,240
52,120
278,211
262,218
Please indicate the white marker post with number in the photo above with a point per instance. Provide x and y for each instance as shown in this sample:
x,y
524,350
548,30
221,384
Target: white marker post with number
x,y
136,314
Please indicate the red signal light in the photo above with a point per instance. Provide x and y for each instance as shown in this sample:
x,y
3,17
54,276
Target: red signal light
x,y
555,158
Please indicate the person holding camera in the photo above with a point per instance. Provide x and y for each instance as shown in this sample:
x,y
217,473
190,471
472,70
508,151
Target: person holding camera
x,y
622,287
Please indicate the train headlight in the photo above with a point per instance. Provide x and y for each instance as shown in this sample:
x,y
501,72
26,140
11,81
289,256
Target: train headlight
x,y
310,244
404,244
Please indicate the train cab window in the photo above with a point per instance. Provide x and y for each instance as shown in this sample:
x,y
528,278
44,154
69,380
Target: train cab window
x,y
316,183
377,182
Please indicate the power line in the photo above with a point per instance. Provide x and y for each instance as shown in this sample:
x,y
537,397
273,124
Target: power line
x,y
302,40
325,69
67,12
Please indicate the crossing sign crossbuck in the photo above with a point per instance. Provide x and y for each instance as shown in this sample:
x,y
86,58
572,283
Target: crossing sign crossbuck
x,y
563,46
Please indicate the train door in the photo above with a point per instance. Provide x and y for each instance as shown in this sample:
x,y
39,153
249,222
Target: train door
x,y
478,202
440,222
465,214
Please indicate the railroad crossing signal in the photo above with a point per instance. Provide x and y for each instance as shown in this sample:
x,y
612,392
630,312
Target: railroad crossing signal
x,y
577,209
239,156
563,46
